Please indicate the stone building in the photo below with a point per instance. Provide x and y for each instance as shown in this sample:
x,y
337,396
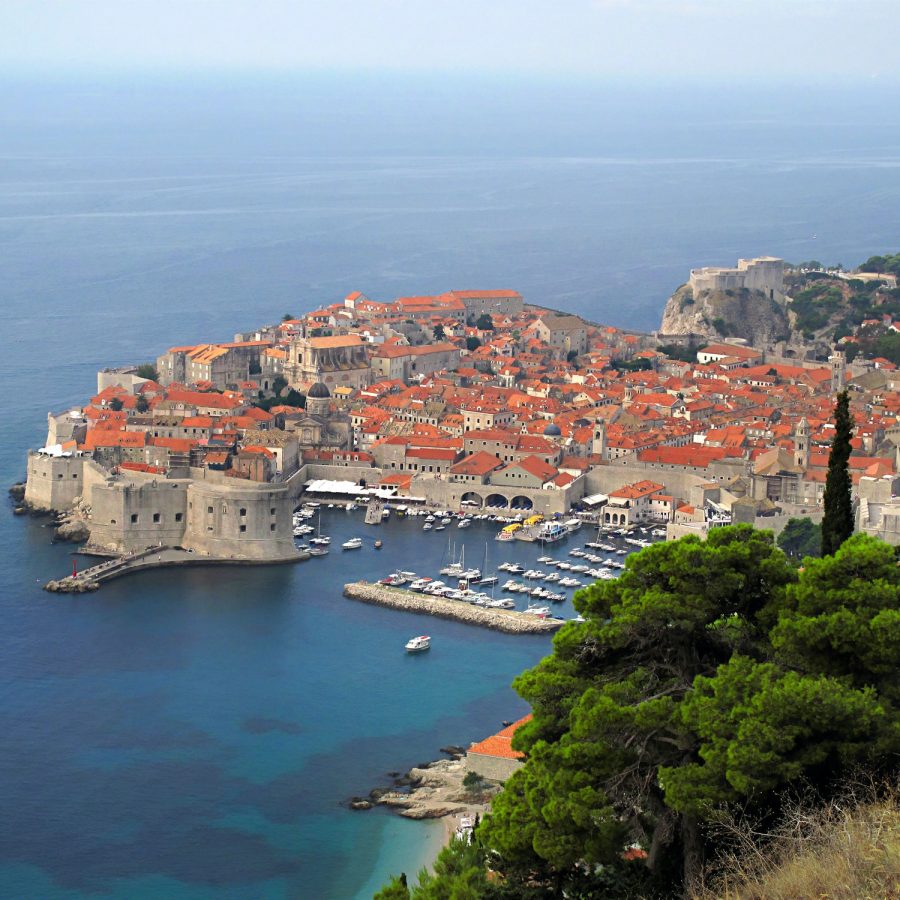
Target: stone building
x,y
494,758
764,273
322,426
338,360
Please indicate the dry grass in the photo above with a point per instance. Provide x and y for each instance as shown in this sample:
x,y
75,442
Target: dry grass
x,y
849,850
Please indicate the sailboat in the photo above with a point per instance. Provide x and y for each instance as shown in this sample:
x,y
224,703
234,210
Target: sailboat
x,y
320,539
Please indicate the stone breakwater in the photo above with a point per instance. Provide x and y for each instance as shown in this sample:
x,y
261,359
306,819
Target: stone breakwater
x,y
498,619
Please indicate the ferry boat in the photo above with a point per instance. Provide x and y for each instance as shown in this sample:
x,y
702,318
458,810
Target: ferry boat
x,y
572,525
352,544
551,532
417,644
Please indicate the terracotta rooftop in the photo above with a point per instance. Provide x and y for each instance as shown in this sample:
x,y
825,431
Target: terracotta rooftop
x,y
500,744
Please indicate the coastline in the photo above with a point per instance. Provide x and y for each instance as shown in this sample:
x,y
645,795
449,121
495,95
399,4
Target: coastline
x,y
408,845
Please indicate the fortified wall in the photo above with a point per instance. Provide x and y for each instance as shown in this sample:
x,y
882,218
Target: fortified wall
x,y
765,273
212,515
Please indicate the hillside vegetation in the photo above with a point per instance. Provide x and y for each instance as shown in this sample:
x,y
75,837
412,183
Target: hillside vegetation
x,y
842,851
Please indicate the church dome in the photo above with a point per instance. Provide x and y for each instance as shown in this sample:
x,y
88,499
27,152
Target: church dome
x,y
552,430
319,391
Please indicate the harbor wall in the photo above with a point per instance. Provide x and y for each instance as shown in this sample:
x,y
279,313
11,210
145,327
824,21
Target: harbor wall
x,y
130,516
242,520
56,482
408,601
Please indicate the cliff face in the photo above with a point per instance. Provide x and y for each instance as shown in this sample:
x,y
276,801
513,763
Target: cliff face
x,y
734,313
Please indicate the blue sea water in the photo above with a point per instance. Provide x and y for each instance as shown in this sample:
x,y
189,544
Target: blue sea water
x,y
193,734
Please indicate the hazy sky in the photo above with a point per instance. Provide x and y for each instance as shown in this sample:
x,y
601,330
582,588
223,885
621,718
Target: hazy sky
x,y
725,39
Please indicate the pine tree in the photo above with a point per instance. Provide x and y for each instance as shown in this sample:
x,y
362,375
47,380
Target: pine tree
x,y
837,523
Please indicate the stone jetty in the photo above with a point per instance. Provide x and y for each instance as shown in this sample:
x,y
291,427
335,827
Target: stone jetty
x,y
506,620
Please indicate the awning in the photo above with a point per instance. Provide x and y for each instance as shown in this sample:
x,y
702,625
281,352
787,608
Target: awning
x,y
594,499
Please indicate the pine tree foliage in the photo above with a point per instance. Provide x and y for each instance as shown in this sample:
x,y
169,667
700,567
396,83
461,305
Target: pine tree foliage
x,y
710,677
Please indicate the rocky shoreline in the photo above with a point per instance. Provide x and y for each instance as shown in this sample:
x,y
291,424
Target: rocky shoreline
x,y
431,791
498,619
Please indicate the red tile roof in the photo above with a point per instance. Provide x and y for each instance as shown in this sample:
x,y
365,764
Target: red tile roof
x,y
500,744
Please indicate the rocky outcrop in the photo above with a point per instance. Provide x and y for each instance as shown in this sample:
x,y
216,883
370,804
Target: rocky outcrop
x,y
738,313
498,619
436,790
76,530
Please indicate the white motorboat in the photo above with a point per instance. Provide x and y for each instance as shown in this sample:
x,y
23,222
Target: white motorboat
x,y
502,604
516,569
350,506
427,526
572,525
321,540
538,610
352,544
464,523
416,644
318,551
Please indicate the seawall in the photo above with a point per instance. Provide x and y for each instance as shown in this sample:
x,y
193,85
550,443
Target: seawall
x,y
498,619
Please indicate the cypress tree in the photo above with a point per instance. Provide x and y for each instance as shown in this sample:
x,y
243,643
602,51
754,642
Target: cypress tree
x,y
837,523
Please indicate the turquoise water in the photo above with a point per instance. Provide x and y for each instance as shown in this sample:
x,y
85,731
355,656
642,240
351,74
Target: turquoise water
x,y
193,734
203,726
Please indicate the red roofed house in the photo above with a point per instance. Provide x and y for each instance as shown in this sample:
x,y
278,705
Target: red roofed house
x,y
638,502
494,758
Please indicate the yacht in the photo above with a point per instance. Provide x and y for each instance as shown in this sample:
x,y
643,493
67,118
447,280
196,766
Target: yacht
x,y
538,610
516,569
489,580
422,642
321,540
464,523
545,559
352,544
572,525
502,604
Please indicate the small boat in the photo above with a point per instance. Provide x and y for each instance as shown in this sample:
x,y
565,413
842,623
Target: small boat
x,y
350,506
386,513
318,551
464,523
417,644
538,610
378,545
320,541
427,526
352,544
440,527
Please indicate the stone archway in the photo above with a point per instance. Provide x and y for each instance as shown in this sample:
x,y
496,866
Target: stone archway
x,y
470,498
498,501
522,502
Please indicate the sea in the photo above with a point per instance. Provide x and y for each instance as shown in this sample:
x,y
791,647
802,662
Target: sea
x,y
197,733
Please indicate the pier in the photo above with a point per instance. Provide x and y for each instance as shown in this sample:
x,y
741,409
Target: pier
x,y
506,620
90,579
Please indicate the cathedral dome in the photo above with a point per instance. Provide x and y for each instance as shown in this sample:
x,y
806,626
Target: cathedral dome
x,y
319,391
552,430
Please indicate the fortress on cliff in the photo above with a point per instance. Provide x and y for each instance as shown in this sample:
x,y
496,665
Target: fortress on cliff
x,y
764,273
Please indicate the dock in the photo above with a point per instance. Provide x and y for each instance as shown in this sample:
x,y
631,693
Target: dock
x,y
90,579
510,621
373,513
